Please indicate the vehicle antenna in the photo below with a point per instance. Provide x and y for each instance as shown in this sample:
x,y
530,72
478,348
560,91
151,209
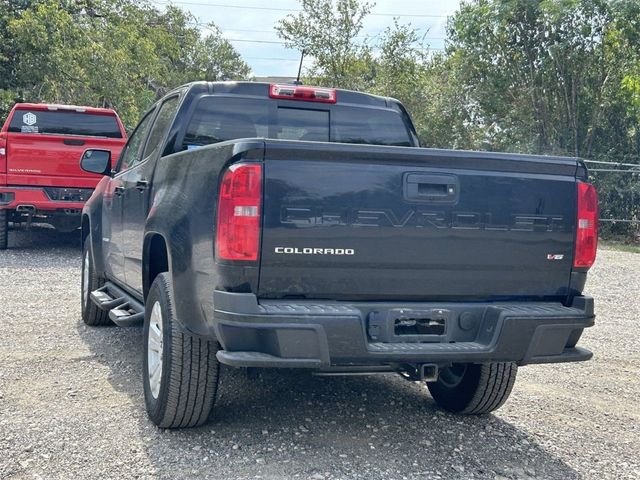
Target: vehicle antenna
x,y
298,82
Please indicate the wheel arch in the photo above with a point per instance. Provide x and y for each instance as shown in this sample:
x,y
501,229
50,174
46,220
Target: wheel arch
x,y
155,259
95,251
91,225
85,225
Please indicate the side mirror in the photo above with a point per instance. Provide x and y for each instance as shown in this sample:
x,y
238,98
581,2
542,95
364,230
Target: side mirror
x,y
96,161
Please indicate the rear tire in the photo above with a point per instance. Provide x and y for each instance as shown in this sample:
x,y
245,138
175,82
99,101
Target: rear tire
x,y
473,389
180,371
92,315
4,229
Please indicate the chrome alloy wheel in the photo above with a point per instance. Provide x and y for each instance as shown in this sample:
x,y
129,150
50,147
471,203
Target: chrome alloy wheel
x,y
85,279
154,350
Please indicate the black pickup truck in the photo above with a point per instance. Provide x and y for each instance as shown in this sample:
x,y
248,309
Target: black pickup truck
x,y
261,225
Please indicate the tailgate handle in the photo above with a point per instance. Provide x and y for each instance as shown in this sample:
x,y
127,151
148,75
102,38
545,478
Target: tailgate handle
x,y
435,188
432,189
73,141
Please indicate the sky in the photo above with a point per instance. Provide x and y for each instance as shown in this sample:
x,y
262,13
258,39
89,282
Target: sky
x,y
249,26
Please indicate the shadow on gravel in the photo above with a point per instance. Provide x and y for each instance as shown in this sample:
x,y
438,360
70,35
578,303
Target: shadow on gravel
x,y
42,237
290,424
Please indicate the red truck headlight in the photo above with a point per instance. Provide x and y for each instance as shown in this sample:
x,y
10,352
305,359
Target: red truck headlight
x,y
239,213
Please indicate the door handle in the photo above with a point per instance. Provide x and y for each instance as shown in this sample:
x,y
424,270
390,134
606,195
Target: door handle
x,y
142,185
431,188
118,191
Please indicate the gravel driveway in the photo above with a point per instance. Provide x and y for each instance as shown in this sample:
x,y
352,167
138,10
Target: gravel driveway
x,y
71,403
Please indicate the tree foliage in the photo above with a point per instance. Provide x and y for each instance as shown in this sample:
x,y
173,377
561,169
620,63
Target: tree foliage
x,y
113,53
328,31
535,76
556,77
531,76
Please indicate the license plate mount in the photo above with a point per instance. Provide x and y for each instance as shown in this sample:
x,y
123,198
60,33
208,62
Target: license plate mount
x,y
409,325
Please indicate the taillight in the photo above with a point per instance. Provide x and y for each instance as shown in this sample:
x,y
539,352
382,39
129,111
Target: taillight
x,y
307,94
239,210
3,152
587,227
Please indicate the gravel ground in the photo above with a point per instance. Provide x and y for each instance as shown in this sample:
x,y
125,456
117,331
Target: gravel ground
x,y
71,401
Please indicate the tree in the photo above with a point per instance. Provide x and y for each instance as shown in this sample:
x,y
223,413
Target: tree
x,y
556,76
327,31
538,69
427,85
399,64
112,53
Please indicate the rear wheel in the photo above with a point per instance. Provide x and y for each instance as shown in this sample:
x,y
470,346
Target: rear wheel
x,y
180,371
473,389
91,314
4,229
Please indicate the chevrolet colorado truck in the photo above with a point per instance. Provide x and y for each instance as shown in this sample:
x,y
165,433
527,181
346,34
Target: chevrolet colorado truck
x,y
258,225
40,178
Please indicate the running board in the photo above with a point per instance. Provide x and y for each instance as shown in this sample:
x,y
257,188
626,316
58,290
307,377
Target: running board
x,y
258,359
124,310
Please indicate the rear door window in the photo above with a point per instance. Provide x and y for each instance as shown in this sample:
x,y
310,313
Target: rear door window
x,y
217,119
62,122
160,126
132,152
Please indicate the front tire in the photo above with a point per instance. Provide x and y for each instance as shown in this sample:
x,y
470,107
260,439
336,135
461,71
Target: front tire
x,y
473,389
180,371
92,315
4,229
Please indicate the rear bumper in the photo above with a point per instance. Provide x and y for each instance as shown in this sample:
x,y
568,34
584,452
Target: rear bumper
x,y
323,335
13,197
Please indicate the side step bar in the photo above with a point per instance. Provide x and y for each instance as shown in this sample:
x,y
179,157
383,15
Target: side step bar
x,y
258,359
124,310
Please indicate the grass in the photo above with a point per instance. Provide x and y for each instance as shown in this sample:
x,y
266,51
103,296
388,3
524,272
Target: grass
x,y
620,247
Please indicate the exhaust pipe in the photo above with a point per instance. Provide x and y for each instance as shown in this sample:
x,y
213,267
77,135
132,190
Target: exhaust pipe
x,y
31,209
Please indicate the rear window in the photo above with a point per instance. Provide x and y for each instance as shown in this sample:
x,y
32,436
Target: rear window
x,y
372,126
217,119
301,124
63,122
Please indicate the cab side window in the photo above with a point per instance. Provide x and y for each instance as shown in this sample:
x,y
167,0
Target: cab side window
x,y
133,150
163,121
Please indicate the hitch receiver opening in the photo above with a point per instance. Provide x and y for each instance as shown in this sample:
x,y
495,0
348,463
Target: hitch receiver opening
x,y
428,372
423,372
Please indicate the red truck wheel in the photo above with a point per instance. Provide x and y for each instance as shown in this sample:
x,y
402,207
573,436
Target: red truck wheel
x,y
4,229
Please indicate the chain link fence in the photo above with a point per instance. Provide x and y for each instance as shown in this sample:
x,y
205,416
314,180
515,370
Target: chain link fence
x,y
618,186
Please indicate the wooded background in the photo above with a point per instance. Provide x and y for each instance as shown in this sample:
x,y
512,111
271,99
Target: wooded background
x,y
535,76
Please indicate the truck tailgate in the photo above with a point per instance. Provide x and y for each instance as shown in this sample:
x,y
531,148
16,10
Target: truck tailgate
x,y
352,222
51,160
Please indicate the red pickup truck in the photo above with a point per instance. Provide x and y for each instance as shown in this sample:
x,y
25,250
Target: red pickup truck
x,y
40,150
